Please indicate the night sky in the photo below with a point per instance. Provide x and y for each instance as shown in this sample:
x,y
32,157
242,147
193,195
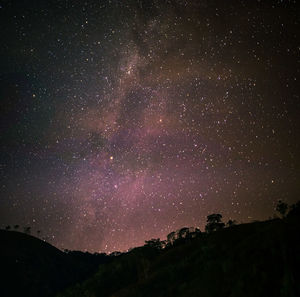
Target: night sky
x,y
125,120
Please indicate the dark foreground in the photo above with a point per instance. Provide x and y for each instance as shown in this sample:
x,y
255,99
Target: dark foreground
x,y
257,259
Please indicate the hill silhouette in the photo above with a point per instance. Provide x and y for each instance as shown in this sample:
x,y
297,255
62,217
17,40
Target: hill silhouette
x,y
254,259
32,267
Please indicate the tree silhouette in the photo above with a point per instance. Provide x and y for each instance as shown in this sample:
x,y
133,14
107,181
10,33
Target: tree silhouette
x,y
154,243
183,232
16,227
7,227
27,230
214,223
231,223
196,233
171,238
282,207
294,209
115,254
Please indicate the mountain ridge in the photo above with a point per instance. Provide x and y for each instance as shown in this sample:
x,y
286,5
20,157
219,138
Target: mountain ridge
x,y
253,259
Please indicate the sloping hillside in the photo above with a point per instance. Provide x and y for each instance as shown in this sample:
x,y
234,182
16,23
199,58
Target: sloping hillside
x,y
257,259
32,267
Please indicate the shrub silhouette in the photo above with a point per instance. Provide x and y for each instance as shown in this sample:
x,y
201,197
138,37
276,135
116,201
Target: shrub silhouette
x,y
214,223
171,238
282,207
294,209
27,230
231,223
154,243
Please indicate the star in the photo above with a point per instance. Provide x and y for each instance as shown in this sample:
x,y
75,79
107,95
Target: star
x,y
132,121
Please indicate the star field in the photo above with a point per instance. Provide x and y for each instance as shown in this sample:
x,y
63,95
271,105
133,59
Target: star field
x,y
125,120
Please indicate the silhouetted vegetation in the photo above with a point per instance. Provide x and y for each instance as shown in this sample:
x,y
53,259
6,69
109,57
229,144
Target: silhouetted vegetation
x,y
214,222
294,209
255,259
27,230
154,243
181,236
282,208
231,223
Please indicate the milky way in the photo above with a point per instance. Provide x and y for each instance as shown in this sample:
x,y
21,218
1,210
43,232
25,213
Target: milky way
x,y
125,120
